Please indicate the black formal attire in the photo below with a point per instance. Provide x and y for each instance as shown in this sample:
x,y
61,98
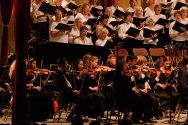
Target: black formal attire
x,y
96,98
168,97
40,102
183,84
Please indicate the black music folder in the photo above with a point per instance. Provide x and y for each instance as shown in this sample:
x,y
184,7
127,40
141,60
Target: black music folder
x,y
162,21
110,30
70,22
62,26
133,31
148,33
137,21
91,21
63,10
47,8
167,5
179,5
177,26
89,34
94,11
72,6
118,13
116,23
166,11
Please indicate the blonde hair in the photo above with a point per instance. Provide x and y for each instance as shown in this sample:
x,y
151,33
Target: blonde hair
x,y
137,9
109,57
141,60
103,30
83,6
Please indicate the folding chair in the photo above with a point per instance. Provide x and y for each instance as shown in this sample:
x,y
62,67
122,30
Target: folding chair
x,y
122,52
155,53
140,52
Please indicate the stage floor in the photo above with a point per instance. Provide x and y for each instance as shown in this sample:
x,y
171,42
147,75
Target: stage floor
x,y
164,121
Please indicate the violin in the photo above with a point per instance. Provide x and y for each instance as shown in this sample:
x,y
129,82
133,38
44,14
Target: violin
x,y
167,71
41,71
148,70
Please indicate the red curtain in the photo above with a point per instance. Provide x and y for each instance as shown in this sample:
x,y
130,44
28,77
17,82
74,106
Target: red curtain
x,y
21,29
109,2
6,11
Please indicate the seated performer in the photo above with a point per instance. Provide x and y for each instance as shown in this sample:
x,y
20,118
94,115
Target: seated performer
x,y
83,39
40,101
152,38
75,31
183,82
103,37
131,92
56,35
178,35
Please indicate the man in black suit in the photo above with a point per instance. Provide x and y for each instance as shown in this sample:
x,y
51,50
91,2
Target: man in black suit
x,y
183,82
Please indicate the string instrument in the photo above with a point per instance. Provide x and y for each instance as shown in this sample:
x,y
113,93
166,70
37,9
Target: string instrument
x,y
149,71
167,71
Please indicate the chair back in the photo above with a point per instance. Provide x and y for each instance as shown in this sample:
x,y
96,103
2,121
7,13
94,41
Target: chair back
x,y
140,52
157,52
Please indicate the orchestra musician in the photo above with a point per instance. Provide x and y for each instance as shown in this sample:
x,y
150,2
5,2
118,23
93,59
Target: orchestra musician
x,y
62,79
129,96
164,88
183,82
93,85
40,101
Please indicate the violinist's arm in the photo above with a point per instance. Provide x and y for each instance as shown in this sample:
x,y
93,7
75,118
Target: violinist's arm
x,y
46,80
38,88
163,86
29,86
32,80
76,91
94,88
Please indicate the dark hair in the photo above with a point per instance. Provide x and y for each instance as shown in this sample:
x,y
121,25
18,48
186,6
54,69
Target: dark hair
x,y
127,14
186,61
103,17
77,61
131,1
131,58
108,123
125,121
31,60
94,123
77,120
61,61
83,28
